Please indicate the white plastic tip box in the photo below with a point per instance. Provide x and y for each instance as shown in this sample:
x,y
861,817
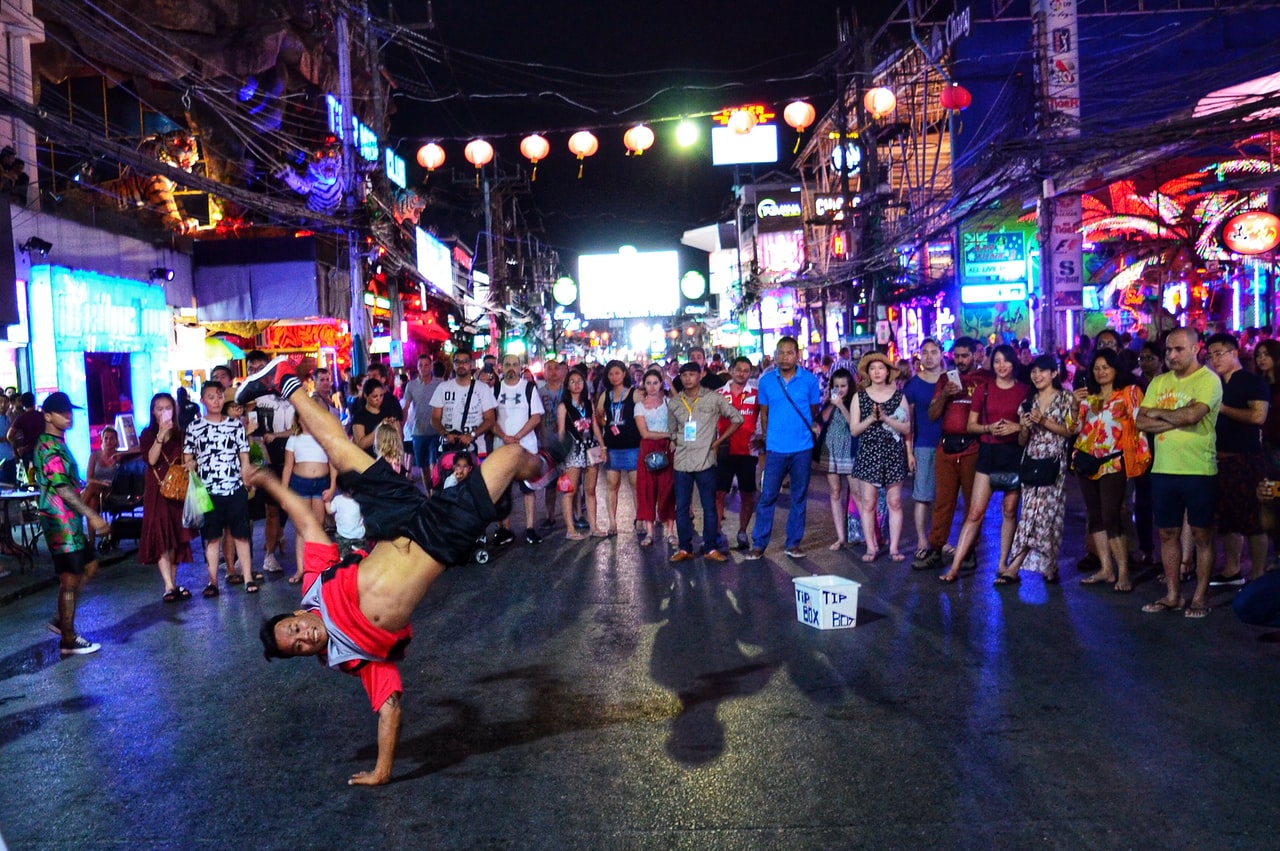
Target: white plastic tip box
x,y
827,602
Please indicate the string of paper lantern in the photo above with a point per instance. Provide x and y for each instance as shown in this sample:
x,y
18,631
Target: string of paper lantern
x,y
799,114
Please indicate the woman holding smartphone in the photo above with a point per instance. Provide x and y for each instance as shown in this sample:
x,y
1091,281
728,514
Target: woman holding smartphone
x,y
995,416
165,541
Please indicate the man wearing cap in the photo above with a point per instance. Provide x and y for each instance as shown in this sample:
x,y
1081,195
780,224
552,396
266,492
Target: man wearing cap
x,y
275,427
789,397
694,414
60,508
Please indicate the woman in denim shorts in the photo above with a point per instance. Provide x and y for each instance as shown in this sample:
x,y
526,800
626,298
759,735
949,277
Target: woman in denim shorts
x,y
307,473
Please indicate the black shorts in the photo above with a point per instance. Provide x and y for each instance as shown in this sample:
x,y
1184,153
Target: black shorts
x,y
74,562
230,513
740,467
446,526
999,458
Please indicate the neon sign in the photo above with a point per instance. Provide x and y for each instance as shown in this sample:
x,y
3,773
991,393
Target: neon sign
x,y
395,168
1254,232
759,110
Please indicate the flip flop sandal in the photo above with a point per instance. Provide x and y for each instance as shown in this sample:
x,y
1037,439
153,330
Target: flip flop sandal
x,y
235,579
210,591
170,596
1196,612
897,557
251,588
183,593
1160,606
294,580
1006,579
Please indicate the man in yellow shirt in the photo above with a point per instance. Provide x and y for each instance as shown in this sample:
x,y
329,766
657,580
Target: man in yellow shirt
x,y
1181,409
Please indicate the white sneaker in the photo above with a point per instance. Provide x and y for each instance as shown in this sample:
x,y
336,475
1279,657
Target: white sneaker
x,y
80,647
270,565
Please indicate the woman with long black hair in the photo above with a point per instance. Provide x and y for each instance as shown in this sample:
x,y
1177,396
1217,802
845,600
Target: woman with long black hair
x,y
995,416
1048,421
581,465
616,416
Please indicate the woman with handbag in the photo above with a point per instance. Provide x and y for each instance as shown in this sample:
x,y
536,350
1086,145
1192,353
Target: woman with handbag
x,y
1109,452
165,541
655,479
885,457
994,415
586,452
1048,419
838,447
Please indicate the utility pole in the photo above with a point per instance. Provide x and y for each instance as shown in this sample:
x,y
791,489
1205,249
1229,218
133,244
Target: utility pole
x,y
359,329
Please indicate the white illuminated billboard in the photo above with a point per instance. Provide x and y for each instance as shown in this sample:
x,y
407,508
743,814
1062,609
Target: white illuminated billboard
x,y
629,283
435,262
758,146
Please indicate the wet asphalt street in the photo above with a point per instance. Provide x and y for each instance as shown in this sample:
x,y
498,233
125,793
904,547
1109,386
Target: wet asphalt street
x,y
591,695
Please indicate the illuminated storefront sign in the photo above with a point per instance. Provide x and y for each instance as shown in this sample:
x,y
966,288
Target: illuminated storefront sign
x,y
992,293
1252,233
365,139
998,255
74,313
395,168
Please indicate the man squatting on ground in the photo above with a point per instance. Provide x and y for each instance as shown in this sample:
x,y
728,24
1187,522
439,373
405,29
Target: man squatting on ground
x,y
356,616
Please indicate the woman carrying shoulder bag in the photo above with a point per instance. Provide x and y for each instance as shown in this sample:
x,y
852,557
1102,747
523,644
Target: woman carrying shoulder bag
x,y
1048,419
165,541
1109,452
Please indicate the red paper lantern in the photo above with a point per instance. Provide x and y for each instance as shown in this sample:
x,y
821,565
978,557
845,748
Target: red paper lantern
x,y
431,156
638,139
955,97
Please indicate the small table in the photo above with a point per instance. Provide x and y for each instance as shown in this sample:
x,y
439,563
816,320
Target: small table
x,y
23,549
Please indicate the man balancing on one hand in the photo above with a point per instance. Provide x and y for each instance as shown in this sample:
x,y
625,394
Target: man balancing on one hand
x,y
356,617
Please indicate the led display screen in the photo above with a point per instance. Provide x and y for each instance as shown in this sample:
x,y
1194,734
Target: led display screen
x,y
629,283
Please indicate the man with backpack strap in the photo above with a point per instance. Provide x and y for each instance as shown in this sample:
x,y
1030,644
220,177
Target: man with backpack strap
x,y
519,414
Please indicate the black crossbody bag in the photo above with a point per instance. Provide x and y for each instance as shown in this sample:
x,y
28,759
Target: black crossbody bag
x,y
449,441
797,410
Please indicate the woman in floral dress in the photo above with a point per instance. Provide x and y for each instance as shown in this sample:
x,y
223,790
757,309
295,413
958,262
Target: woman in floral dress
x,y
1048,420
1108,429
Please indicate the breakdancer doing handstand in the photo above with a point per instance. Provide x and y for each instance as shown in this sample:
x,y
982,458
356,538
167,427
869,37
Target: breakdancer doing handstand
x,y
355,612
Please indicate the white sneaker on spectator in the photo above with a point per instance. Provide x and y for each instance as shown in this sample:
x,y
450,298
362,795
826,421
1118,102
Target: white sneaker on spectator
x,y
270,565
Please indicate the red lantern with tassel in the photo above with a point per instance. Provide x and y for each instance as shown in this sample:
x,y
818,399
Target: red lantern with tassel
x,y
955,97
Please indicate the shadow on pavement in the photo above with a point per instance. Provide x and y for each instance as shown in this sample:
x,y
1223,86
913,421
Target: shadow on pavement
x,y
554,710
29,720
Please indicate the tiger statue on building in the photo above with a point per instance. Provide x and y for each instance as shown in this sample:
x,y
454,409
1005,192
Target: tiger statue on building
x,y
136,190
324,182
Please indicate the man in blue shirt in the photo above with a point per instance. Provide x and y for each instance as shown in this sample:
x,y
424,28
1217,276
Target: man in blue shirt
x,y
926,433
789,397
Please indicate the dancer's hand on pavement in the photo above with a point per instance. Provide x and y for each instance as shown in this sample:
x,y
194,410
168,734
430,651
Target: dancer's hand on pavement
x,y
367,778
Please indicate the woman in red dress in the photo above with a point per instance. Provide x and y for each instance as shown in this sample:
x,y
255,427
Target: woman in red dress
x,y
165,541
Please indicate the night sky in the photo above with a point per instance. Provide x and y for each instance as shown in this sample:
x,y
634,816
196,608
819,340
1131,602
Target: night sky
x,y
610,61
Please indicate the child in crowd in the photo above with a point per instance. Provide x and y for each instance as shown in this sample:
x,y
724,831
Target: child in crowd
x,y
388,443
462,467
349,527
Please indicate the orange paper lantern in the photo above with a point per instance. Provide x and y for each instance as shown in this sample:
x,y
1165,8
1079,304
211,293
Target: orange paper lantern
x,y
582,145
431,156
534,148
879,101
638,140
478,152
799,115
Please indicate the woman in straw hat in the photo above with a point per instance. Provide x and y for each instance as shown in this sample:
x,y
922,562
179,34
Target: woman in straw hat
x,y
885,458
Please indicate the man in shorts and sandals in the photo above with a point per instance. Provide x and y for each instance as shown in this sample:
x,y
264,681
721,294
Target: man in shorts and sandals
x,y
355,612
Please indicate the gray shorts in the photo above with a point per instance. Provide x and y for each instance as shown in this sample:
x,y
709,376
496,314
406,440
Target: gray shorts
x,y
925,486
